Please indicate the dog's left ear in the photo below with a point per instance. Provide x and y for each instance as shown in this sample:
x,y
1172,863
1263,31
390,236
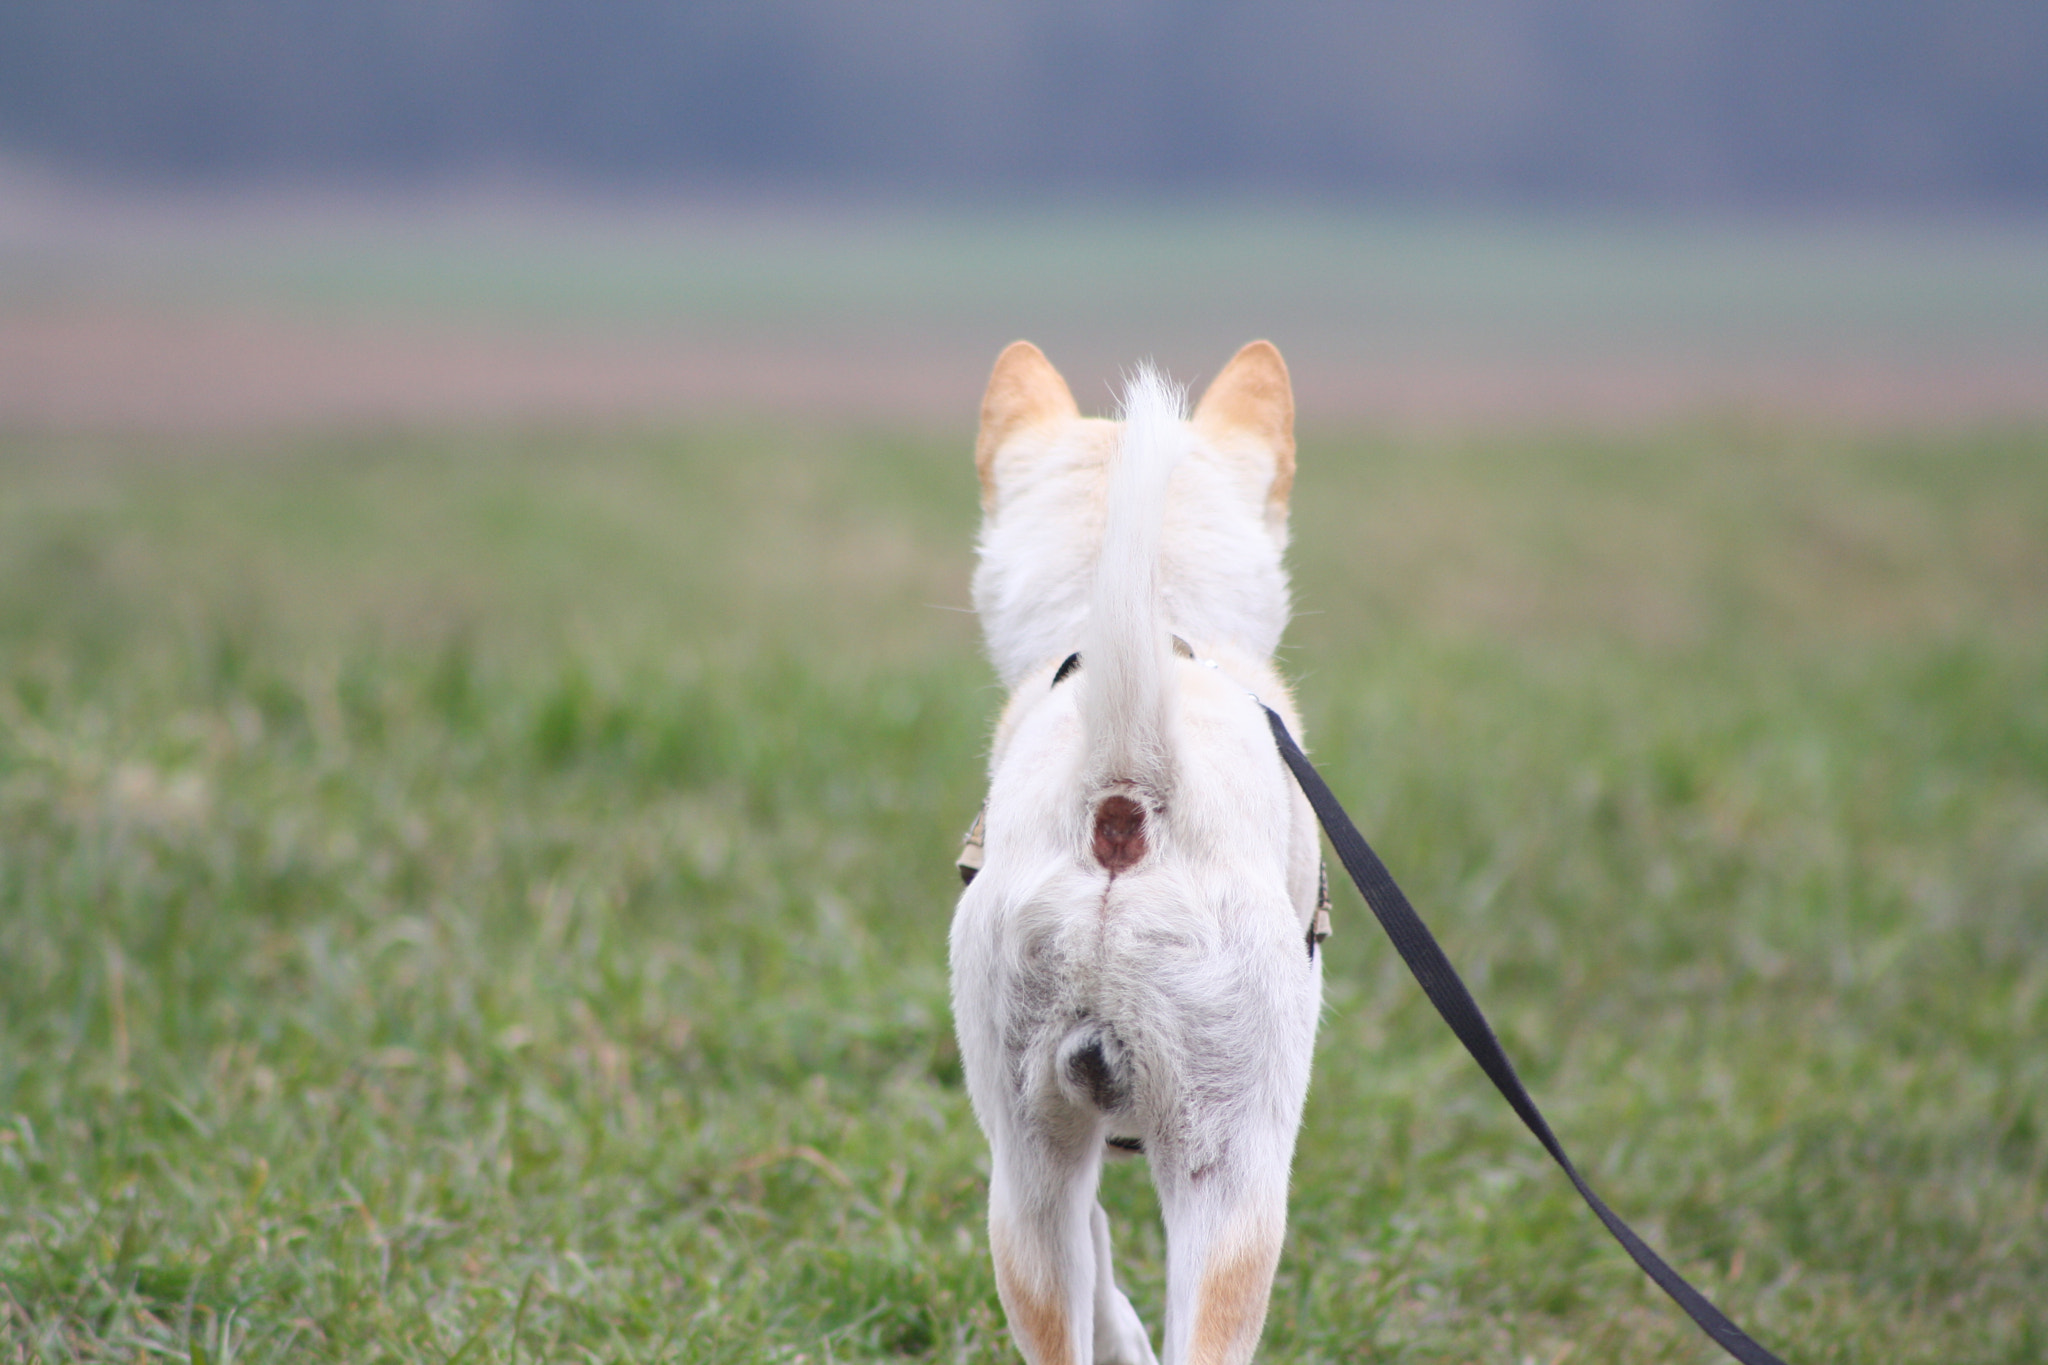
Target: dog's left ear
x,y
1023,391
1252,397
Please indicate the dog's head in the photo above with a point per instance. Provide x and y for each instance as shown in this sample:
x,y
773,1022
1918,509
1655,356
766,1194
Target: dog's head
x,y
1044,478
1246,417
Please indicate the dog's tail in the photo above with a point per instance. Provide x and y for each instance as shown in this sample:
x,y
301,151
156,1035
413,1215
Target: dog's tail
x,y
1127,648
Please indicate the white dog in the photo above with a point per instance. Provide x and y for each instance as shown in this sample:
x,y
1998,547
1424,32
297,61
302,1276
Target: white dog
x,y
1135,964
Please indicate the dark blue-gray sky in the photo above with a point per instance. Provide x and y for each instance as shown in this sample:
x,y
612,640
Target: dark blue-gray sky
x,y
1661,102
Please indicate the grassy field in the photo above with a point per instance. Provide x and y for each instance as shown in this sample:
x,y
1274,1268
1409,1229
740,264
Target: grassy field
x,y
482,897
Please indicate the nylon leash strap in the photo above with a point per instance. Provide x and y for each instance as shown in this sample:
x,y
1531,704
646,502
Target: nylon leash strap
x,y
1441,983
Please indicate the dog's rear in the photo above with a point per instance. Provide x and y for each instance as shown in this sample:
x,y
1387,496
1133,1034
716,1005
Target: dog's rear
x,y
1130,964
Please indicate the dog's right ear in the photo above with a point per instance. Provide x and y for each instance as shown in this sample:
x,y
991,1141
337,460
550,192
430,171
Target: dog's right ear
x,y
1253,396
1024,391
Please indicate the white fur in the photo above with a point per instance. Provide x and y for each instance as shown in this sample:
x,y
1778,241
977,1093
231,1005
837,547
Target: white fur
x,y
1126,643
1219,575
1187,974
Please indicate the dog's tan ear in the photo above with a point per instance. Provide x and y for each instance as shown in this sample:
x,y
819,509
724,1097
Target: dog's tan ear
x,y
1023,391
1252,396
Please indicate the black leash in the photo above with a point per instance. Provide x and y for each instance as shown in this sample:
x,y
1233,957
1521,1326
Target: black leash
x,y
1440,982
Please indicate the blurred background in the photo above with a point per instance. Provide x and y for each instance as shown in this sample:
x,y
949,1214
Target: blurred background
x,y
1481,211
489,693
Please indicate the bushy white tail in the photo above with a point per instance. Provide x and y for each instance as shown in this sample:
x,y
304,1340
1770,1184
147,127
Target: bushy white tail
x,y
1127,649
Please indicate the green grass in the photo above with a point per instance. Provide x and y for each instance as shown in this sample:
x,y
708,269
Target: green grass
x,y
483,897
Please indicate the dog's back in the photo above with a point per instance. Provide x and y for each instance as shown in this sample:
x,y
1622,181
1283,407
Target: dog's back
x,y
1132,961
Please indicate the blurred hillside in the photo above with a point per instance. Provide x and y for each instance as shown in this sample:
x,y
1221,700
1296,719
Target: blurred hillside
x,y
196,312
1448,212
1674,103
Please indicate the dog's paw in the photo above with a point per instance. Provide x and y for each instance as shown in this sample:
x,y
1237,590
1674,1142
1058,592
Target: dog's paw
x,y
1119,1337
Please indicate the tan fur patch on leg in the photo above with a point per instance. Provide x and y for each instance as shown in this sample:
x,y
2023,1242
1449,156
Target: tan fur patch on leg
x,y
1231,1309
1037,1319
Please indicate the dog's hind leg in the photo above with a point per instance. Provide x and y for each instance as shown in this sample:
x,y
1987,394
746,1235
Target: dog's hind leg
x,y
1050,1242
1224,1226
1119,1336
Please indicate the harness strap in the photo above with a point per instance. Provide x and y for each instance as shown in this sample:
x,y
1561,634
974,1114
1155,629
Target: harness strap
x,y
1441,983
969,861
